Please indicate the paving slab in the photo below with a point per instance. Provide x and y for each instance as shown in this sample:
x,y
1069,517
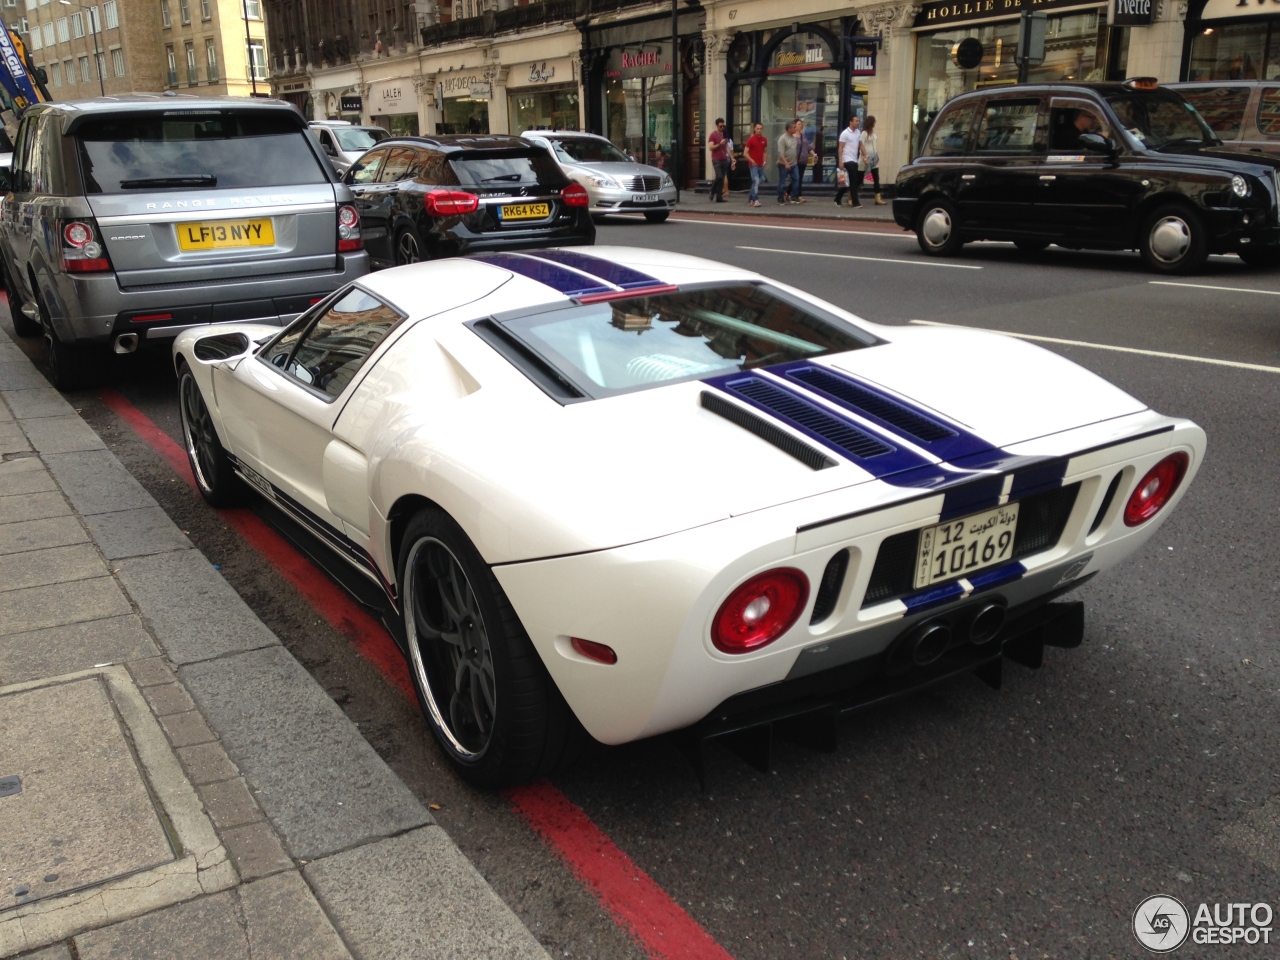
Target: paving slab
x,y
273,919
84,814
55,651
135,533
318,780
40,534
95,482
79,561
12,439
24,475
59,951
193,611
5,415
20,375
52,605
39,401
32,506
416,895
65,434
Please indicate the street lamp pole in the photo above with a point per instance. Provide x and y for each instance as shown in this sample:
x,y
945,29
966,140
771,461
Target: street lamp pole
x,y
93,26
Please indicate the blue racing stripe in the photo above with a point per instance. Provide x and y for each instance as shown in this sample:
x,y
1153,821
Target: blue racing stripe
x,y
980,494
997,576
933,597
607,270
569,282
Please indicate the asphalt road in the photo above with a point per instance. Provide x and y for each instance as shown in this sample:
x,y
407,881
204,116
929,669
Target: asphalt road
x,y
1027,822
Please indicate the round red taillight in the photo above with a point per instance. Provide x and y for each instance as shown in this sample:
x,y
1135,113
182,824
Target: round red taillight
x,y
1155,489
78,234
760,611
347,216
575,195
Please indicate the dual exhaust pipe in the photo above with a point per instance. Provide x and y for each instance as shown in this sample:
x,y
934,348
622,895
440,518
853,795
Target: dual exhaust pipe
x,y
926,642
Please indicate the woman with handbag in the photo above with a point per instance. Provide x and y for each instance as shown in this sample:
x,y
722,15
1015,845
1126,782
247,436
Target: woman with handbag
x,y
869,156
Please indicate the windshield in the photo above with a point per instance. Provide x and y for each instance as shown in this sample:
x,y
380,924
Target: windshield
x,y
1156,122
643,342
195,148
476,168
355,139
587,150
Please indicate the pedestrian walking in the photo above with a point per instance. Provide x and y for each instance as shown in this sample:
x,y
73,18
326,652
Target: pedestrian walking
x,y
788,163
847,151
869,157
733,165
804,149
755,148
719,160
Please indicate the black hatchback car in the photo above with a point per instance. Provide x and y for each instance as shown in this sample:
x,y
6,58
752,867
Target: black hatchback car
x,y
421,198
1109,166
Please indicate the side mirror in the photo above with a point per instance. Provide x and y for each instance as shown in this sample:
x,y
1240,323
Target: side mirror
x,y
1097,143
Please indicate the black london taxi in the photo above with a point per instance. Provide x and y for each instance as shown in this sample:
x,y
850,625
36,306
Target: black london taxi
x,y
1108,166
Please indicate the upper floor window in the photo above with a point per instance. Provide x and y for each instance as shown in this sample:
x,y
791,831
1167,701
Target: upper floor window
x,y
110,16
77,25
205,12
64,31
253,9
164,13
184,7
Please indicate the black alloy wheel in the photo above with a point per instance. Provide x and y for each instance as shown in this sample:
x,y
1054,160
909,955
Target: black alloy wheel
x,y
215,476
484,692
408,249
938,229
1029,246
1174,240
657,216
23,325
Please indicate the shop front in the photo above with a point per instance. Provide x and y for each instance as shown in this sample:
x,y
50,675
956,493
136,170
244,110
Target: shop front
x,y
1232,40
542,96
393,105
463,99
964,46
639,100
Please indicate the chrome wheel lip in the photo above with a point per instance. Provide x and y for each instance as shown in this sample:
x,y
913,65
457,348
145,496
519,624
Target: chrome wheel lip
x,y
187,383
1170,239
936,227
417,663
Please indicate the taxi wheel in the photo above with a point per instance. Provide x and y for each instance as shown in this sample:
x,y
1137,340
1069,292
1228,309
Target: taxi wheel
x,y
408,249
1173,240
215,477
938,231
484,692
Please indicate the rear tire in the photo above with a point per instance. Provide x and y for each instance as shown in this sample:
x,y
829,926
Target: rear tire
x,y
657,216
71,366
489,701
1174,240
938,230
214,475
23,325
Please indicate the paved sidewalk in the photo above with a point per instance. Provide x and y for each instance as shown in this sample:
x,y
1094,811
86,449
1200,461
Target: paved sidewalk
x,y
172,782
817,206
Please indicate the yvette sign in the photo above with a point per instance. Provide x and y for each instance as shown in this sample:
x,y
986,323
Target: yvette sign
x,y
1132,13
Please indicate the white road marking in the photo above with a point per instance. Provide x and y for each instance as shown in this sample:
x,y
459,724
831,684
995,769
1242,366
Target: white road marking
x,y
1106,346
846,256
737,224
1205,286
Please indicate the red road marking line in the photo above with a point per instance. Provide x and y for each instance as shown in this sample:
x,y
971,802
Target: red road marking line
x,y
636,902
632,897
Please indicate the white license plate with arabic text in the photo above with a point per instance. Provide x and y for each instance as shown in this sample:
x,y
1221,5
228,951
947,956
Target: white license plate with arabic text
x,y
965,545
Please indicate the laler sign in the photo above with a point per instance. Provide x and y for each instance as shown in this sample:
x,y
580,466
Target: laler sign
x,y
1132,13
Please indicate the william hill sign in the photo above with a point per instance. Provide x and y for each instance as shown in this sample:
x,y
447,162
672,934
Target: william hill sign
x,y
937,14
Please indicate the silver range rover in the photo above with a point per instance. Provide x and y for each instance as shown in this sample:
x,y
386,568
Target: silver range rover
x,y
129,219
615,183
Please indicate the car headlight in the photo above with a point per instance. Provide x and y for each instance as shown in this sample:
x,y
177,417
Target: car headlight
x,y
667,181
1239,186
603,181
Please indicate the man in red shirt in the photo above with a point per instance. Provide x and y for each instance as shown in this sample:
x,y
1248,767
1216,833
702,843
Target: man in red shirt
x,y
719,160
755,148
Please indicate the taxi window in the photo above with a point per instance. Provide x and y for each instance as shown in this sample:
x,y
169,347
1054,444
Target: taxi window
x,y
951,131
1008,126
1068,121
1222,108
1269,112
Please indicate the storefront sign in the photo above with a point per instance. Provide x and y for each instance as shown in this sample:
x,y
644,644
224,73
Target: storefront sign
x,y
393,97
296,87
541,72
352,104
800,51
936,14
1222,9
1131,13
864,59
458,86
644,60
481,91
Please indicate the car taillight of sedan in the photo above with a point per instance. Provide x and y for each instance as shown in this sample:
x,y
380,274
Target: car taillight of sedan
x,y
575,195
450,203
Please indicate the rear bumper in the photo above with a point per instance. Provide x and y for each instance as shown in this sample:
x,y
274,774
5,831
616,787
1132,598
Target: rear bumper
x,y
94,309
582,232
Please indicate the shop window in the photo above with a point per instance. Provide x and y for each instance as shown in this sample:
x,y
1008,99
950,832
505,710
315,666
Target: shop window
x,y
543,109
1236,51
1222,108
640,111
951,132
1269,112
1008,126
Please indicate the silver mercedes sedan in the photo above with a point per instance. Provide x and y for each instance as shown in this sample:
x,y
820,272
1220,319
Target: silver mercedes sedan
x,y
615,182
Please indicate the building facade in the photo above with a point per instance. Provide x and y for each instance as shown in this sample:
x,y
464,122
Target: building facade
x,y
613,66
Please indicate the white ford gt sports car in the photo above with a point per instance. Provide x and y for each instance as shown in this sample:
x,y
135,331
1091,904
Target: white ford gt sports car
x,y
631,492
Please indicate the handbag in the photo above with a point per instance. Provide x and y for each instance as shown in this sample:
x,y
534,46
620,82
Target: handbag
x,y
842,177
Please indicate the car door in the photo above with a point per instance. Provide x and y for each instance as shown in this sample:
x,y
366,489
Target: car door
x,y
1000,185
279,407
1084,196
362,178
17,232
397,174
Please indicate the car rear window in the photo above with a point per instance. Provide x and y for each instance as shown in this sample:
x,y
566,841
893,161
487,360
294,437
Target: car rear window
x,y
485,168
185,149
1222,107
641,342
